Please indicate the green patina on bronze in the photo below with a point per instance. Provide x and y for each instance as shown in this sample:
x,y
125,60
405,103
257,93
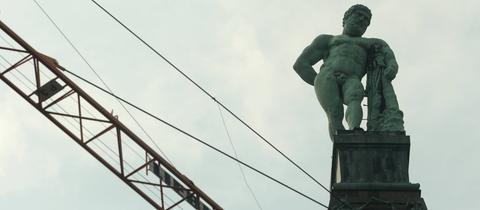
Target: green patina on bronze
x,y
346,59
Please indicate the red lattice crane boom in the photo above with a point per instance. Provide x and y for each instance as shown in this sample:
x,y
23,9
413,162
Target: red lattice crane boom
x,y
51,91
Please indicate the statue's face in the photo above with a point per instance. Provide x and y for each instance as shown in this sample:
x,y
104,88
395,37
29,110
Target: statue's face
x,y
356,24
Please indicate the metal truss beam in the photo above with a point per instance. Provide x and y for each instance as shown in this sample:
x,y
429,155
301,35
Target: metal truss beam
x,y
50,93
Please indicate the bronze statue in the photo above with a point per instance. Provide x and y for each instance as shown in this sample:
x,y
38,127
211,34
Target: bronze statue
x,y
346,59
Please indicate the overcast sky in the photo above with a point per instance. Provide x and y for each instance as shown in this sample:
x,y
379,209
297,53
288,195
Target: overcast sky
x,y
242,52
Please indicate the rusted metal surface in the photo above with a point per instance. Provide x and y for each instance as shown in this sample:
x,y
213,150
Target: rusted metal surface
x,y
46,103
172,183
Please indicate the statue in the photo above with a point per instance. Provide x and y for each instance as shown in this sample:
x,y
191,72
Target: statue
x,y
346,59
383,111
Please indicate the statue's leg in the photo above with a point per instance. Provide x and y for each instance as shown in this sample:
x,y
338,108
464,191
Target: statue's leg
x,y
328,94
353,94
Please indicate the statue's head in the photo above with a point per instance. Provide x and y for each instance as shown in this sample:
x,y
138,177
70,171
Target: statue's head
x,y
356,20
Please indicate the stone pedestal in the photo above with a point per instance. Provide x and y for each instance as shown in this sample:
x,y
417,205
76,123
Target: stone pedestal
x,y
370,172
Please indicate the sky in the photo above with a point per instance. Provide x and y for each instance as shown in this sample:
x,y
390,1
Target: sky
x,y
242,52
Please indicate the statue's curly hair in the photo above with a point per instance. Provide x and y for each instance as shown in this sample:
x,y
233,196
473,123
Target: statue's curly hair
x,y
355,8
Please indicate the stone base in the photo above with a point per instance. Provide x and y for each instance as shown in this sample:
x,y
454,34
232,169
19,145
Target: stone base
x,y
370,157
353,197
370,172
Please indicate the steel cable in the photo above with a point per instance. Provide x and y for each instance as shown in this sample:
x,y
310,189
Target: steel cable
x,y
209,95
195,138
99,78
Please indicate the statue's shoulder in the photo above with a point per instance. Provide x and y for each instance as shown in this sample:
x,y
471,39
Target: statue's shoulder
x,y
377,41
322,40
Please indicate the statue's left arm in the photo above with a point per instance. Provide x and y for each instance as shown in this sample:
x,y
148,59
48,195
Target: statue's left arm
x,y
391,65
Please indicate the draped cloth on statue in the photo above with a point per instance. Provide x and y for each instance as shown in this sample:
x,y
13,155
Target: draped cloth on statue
x,y
384,113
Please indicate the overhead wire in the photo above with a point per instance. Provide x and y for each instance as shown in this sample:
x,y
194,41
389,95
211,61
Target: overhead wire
x,y
111,150
49,78
116,154
83,58
194,138
68,120
186,76
99,77
236,156
189,135
71,124
23,75
16,77
115,159
210,95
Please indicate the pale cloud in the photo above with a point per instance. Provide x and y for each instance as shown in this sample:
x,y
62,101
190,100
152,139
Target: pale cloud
x,y
23,165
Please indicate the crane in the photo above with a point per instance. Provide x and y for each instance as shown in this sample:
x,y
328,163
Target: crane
x,y
51,91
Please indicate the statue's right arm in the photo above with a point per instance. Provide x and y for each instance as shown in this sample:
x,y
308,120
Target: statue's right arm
x,y
310,56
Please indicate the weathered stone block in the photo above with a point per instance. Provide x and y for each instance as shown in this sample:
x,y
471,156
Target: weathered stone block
x,y
370,172
370,157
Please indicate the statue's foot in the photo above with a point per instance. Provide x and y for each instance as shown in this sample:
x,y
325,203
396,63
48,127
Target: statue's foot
x,y
358,129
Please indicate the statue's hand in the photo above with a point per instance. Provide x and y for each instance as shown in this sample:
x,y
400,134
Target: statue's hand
x,y
390,73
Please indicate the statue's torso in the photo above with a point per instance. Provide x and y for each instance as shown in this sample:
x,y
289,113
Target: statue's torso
x,y
347,55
